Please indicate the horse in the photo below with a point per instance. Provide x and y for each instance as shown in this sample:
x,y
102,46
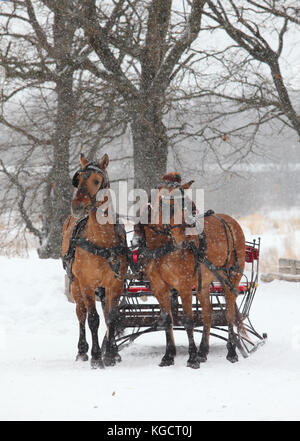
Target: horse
x,y
95,256
173,259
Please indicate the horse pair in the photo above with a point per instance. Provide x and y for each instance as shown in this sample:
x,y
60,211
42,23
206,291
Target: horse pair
x,y
95,255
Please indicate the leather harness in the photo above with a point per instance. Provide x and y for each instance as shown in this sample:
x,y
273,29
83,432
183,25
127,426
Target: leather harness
x,y
145,255
110,254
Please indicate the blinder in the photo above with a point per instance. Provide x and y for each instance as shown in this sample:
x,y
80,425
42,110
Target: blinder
x,y
75,179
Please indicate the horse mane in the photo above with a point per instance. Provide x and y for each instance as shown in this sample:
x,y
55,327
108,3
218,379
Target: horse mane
x,y
172,177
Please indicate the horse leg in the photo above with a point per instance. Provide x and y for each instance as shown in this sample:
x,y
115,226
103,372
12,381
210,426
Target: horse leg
x,y
188,322
111,317
207,311
165,321
230,317
93,321
83,346
168,358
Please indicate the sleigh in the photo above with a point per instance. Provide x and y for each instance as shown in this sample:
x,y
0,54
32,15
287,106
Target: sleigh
x,y
140,311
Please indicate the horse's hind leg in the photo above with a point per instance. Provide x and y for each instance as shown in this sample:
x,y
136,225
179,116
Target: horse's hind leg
x,y
111,317
230,317
83,346
188,322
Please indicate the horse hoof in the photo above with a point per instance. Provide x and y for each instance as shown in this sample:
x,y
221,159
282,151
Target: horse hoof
x,y
82,357
109,361
97,363
202,358
232,358
118,358
193,364
166,362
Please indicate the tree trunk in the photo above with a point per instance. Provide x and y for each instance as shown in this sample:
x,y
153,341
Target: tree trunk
x,y
58,207
61,193
150,146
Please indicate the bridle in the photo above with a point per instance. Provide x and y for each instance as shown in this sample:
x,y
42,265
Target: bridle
x,y
167,228
88,169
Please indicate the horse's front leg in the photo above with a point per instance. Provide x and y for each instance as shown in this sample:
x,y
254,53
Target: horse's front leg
x,y
207,312
188,322
165,321
81,312
93,321
168,358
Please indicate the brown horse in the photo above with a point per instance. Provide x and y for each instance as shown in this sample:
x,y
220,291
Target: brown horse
x,y
96,256
181,261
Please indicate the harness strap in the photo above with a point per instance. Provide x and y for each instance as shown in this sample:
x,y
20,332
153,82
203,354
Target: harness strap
x,y
236,265
156,253
199,254
223,280
110,254
200,257
68,258
92,248
169,247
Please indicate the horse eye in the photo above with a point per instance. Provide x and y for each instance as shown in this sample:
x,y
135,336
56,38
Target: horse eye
x,y
96,182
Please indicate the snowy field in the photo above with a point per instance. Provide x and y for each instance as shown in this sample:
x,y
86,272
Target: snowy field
x,y
39,379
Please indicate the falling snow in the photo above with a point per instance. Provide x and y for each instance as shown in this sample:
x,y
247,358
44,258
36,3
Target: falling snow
x,y
40,379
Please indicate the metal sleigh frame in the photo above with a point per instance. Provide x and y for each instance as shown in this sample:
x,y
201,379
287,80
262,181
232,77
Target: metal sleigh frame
x,y
139,309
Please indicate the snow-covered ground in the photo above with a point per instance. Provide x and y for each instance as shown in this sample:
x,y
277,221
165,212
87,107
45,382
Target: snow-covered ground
x,y
39,379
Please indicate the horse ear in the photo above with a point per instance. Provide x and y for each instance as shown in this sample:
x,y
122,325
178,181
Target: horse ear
x,y
187,185
103,163
83,160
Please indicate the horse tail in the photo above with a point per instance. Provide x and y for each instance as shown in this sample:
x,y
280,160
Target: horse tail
x,y
239,322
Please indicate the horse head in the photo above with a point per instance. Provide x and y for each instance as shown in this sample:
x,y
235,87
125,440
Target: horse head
x,y
89,180
171,200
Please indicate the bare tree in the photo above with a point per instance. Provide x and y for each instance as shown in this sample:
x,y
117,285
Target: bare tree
x,y
256,70
141,46
50,100
81,72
